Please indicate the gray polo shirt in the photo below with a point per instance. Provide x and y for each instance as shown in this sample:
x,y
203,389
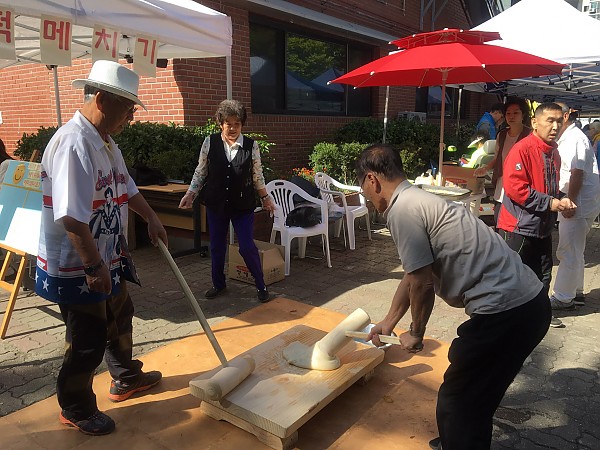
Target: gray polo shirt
x,y
473,267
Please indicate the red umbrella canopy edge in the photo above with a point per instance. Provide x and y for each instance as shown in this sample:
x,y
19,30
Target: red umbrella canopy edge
x,y
452,58
446,36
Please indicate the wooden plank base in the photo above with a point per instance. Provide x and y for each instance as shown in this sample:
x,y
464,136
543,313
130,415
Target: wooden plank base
x,y
263,435
278,398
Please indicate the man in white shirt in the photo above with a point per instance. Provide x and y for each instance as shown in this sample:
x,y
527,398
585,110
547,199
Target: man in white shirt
x,y
86,194
579,181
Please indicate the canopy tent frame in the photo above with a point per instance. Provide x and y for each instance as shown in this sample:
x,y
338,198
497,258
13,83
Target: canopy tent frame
x,y
187,30
579,83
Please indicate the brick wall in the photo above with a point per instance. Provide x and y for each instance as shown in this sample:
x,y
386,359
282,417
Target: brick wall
x,y
188,91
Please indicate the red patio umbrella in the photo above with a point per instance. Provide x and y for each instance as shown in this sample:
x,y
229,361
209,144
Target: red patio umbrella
x,y
449,56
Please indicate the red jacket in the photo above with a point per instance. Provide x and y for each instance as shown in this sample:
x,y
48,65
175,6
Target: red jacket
x,y
530,181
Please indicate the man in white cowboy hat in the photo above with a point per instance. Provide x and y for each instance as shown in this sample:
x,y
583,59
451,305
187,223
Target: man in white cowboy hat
x,y
86,187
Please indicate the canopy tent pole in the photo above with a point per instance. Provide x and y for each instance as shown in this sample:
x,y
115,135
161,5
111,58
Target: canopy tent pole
x,y
229,97
385,113
57,96
229,77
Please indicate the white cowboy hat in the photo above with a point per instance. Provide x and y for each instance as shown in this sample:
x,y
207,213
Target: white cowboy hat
x,y
112,77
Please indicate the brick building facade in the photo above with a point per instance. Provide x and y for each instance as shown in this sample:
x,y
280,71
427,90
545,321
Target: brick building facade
x,y
188,90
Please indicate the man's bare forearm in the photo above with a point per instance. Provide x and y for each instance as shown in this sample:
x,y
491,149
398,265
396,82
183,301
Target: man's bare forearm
x,y
80,236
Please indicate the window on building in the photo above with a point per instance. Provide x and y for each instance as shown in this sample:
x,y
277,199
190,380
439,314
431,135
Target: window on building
x,y
429,100
290,70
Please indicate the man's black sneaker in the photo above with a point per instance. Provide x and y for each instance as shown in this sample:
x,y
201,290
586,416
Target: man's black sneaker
x,y
556,323
97,424
120,390
579,300
435,444
263,295
213,292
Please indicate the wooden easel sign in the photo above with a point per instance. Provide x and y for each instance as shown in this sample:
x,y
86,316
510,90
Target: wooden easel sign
x,y
20,219
21,206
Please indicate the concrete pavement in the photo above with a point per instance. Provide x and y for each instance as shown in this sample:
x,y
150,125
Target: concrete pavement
x,y
553,403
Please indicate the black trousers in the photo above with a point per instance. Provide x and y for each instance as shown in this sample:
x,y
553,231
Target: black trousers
x,y
484,359
93,331
534,252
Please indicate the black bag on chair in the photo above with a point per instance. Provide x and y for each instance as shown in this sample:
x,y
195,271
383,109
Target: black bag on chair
x,y
304,215
144,175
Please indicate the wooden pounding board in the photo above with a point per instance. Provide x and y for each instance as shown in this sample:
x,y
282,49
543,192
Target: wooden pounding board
x,y
278,397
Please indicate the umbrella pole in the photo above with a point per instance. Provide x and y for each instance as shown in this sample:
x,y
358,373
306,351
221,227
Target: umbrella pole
x,y
460,91
443,112
385,113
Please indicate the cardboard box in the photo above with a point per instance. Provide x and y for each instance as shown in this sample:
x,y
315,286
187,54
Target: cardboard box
x,y
271,259
462,177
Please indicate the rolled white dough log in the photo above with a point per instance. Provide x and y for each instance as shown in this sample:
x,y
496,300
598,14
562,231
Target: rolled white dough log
x,y
322,355
228,378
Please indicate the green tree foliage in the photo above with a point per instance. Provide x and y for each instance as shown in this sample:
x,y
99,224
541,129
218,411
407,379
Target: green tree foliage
x,y
34,141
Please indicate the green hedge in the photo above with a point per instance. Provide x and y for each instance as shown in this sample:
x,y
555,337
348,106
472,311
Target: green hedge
x,y
172,148
337,160
417,142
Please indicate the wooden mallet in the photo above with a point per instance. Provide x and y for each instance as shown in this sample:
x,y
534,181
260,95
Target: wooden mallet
x,y
232,372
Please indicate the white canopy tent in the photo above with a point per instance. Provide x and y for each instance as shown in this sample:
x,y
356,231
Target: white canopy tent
x,y
553,29
184,28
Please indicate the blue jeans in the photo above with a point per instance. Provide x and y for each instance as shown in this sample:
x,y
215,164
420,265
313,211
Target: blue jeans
x,y
243,224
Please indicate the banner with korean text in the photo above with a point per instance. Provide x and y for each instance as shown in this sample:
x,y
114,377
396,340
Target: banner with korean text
x,y
105,43
144,57
7,34
55,41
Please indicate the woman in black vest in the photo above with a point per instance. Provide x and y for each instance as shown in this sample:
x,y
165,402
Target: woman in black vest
x,y
229,171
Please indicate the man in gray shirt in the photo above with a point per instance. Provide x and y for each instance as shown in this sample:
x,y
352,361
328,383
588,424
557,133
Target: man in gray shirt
x,y
447,251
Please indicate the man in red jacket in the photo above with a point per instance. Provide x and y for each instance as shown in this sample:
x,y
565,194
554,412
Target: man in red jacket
x,y
530,204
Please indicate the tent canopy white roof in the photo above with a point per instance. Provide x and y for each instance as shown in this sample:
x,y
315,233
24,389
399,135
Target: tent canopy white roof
x,y
555,30
184,28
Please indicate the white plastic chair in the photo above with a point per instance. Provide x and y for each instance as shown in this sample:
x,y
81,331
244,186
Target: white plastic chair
x,y
283,193
350,212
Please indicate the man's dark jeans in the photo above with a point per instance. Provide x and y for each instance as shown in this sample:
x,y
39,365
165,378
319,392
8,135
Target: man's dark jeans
x,y
94,330
484,359
535,253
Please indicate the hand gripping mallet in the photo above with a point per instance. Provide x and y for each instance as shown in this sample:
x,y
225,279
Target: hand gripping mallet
x,y
232,373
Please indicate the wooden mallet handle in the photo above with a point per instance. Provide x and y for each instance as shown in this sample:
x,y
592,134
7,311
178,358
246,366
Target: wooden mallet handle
x,y
382,337
193,303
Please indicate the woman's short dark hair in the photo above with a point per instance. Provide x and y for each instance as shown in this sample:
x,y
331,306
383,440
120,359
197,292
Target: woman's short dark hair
x,y
3,154
382,159
523,106
228,108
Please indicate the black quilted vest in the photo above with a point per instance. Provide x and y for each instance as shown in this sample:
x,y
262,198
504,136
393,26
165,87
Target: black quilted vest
x,y
229,185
